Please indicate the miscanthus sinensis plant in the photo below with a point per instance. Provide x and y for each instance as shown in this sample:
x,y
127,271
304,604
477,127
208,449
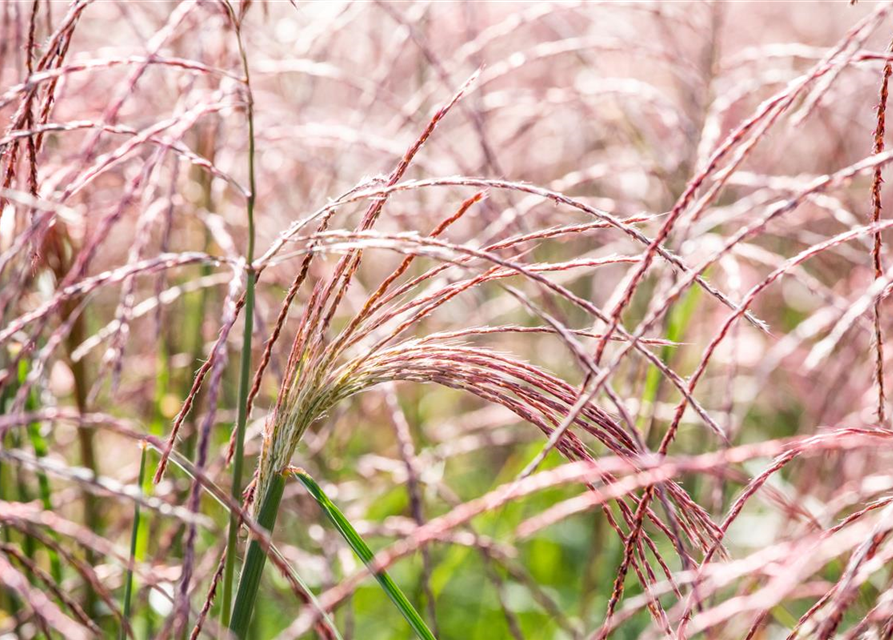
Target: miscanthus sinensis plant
x,y
444,320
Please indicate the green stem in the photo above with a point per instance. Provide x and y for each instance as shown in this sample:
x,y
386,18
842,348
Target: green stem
x,y
365,554
92,518
255,560
43,483
6,599
245,371
134,535
39,444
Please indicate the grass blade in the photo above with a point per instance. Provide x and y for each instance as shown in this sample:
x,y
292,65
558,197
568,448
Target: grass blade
x,y
365,554
134,535
41,449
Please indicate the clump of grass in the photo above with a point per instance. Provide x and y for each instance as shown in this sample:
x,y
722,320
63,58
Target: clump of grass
x,y
601,353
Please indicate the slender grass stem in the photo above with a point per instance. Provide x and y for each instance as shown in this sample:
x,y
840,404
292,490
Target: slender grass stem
x,y
92,518
6,479
234,523
365,554
255,560
134,535
678,322
41,449
245,369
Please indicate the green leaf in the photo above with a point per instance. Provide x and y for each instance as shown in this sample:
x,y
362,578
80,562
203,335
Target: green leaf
x,y
362,550
134,536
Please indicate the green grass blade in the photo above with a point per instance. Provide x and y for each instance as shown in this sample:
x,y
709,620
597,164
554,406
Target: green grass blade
x,y
41,449
680,317
255,560
362,550
134,535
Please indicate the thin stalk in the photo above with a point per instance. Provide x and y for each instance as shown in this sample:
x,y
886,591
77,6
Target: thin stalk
x,y
23,494
134,535
40,450
255,560
39,444
245,370
679,320
6,598
92,518
365,554
142,526
197,309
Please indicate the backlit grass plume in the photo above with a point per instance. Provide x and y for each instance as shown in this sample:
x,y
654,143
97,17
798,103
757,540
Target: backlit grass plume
x,y
372,350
